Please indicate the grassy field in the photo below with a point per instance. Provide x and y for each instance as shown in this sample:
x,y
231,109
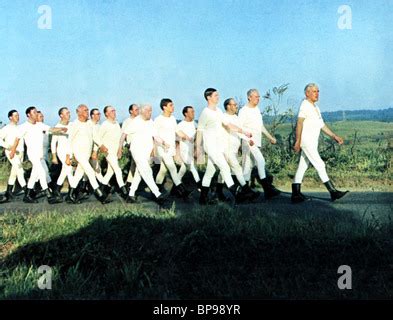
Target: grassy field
x,y
219,253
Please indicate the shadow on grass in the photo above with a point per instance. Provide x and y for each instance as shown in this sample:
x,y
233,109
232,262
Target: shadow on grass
x,y
250,252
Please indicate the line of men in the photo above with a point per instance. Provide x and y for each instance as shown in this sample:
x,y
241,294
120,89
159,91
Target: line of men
x,y
217,138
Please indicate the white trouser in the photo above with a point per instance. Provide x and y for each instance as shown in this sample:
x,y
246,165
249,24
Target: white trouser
x,y
66,171
143,171
96,166
190,167
217,158
311,155
16,169
252,156
167,163
84,167
113,168
235,167
38,173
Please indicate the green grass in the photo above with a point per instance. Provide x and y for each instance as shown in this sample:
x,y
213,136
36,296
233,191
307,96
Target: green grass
x,y
217,253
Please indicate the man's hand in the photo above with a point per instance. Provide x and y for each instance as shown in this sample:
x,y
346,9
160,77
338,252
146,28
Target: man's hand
x,y
296,146
12,153
119,153
64,130
248,134
251,143
94,155
165,146
68,160
338,139
273,140
103,149
54,159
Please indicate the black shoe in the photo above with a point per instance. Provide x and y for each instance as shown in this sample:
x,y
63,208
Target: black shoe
x,y
72,196
334,193
56,192
182,191
29,198
52,199
132,199
7,195
269,191
219,194
124,192
247,193
297,196
102,196
204,197
162,199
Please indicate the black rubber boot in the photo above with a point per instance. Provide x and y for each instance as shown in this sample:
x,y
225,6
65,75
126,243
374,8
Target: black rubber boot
x,y
247,193
29,197
220,193
57,194
204,197
268,190
132,199
297,196
7,195
334,193
72,196
51,198
162,199
199,185
123,192
102,196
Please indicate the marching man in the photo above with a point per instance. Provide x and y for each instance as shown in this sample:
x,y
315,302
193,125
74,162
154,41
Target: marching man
x,y
186,130
61,150
81,141
8,134
33,135
134,112
108,137
210,131
251,119
309,126
232,142
166,125
144,135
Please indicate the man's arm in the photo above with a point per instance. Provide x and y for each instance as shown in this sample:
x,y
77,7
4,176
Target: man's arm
x,y
13,148
53,148
332,135
234,128
268,135
57,131
299,130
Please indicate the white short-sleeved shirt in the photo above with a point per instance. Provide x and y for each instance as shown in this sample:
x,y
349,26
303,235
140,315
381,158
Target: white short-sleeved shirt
x,y
60,144
312,125
33,136
166,130
143,132
109,135
211,125
126,123
8,134
251,120
187,147
81,138
232,140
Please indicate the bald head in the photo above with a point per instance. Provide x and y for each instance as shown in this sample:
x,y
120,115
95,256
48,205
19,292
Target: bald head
x,y
82,112
145,111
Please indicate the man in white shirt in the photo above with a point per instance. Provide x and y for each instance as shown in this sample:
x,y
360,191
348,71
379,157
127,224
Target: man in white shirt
x,y
61,150
109,136
210,131
232,143
94,121
45,149
144,135
81,142
186,131
309,126
166,125
33,136
8,134
251,119
134,112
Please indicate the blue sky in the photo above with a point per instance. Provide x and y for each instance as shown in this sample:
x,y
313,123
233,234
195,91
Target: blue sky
x,y
118,52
